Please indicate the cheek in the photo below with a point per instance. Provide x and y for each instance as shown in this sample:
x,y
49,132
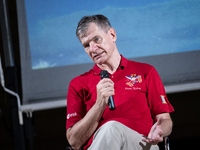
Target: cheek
x,y
108,44
109,49
88,53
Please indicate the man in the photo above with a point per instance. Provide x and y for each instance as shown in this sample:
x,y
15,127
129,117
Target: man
x,y
141,118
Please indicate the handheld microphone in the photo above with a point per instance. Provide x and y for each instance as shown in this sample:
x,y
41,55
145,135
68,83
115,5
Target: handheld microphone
x,y
111,104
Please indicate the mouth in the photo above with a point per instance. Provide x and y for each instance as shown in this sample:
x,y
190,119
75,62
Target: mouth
x,y
97,55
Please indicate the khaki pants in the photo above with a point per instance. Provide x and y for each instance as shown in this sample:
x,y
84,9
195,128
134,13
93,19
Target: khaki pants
x,y
116,136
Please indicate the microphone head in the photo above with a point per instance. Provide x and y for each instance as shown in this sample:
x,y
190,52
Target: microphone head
x,y
104,74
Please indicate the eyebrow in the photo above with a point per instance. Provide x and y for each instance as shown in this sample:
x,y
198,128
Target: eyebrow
x,y
85,43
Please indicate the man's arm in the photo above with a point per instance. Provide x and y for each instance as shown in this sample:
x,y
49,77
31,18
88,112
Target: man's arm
x,y
162,128
78,134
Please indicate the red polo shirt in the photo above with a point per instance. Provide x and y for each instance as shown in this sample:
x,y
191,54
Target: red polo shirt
x,y
139,95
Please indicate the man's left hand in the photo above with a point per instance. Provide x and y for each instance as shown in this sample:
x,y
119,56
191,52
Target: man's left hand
x,y
156,133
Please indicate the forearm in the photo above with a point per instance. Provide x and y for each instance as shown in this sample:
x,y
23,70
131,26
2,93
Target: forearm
x,y
166,124
83,130
166,127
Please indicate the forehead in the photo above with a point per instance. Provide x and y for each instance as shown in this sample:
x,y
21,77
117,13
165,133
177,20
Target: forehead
x,y
93,30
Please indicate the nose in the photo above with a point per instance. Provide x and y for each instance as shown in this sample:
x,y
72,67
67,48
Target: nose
x,y
93,46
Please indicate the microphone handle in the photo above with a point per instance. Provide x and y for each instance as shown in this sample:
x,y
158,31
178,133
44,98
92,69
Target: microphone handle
x,y
111,104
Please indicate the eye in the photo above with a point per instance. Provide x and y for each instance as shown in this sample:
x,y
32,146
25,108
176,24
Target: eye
x,y
97,40
86,45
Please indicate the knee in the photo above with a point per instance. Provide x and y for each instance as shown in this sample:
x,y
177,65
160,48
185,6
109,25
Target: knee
x,y
108,136
110,124
110,131
111,128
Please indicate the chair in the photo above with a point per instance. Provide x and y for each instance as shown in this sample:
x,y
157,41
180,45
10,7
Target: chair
x,y
165,142
70,148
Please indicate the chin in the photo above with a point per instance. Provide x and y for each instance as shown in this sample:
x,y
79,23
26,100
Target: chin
x,y
99,61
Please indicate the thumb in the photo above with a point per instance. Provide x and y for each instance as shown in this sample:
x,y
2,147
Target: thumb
x,y
159,120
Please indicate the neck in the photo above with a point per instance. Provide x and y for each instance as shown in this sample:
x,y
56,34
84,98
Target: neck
x,y
112,64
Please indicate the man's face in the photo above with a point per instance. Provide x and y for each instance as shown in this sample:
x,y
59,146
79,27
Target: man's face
x,y
98,44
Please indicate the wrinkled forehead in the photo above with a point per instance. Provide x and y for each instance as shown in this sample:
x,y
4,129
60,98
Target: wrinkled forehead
x,y
92,31
87,29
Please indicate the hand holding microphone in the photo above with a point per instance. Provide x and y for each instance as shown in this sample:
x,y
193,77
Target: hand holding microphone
x,y
105,74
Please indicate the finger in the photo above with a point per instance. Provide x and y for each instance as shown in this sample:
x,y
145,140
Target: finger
x,y
104,84
146,140
105,91
108,91
157,133
153,128
149,135
161,132
152,142
160,139
157,140
104,80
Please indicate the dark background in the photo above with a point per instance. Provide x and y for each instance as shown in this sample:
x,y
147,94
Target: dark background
x,y
49,125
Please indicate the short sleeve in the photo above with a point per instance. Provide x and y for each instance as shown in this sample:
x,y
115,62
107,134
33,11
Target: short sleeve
x,y
75,103
156,95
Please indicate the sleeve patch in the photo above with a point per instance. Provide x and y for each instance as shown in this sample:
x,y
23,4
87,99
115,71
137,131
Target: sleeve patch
x,y
163,98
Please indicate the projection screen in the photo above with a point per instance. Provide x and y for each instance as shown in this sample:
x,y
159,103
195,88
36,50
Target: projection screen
x,y
163,33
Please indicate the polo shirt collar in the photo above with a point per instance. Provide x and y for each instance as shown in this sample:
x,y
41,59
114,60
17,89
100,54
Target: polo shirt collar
x,y
122,65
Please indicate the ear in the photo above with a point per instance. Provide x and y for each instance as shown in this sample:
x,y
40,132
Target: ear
x,y
113,34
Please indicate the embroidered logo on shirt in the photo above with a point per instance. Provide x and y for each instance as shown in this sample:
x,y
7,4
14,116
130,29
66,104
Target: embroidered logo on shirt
x,y
163,99
71,115
133,79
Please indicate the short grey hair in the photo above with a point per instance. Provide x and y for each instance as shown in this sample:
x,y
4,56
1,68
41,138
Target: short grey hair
x,y
101,21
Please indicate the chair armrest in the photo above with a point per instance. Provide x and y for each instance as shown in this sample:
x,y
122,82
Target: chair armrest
x,y
70,148
166,139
